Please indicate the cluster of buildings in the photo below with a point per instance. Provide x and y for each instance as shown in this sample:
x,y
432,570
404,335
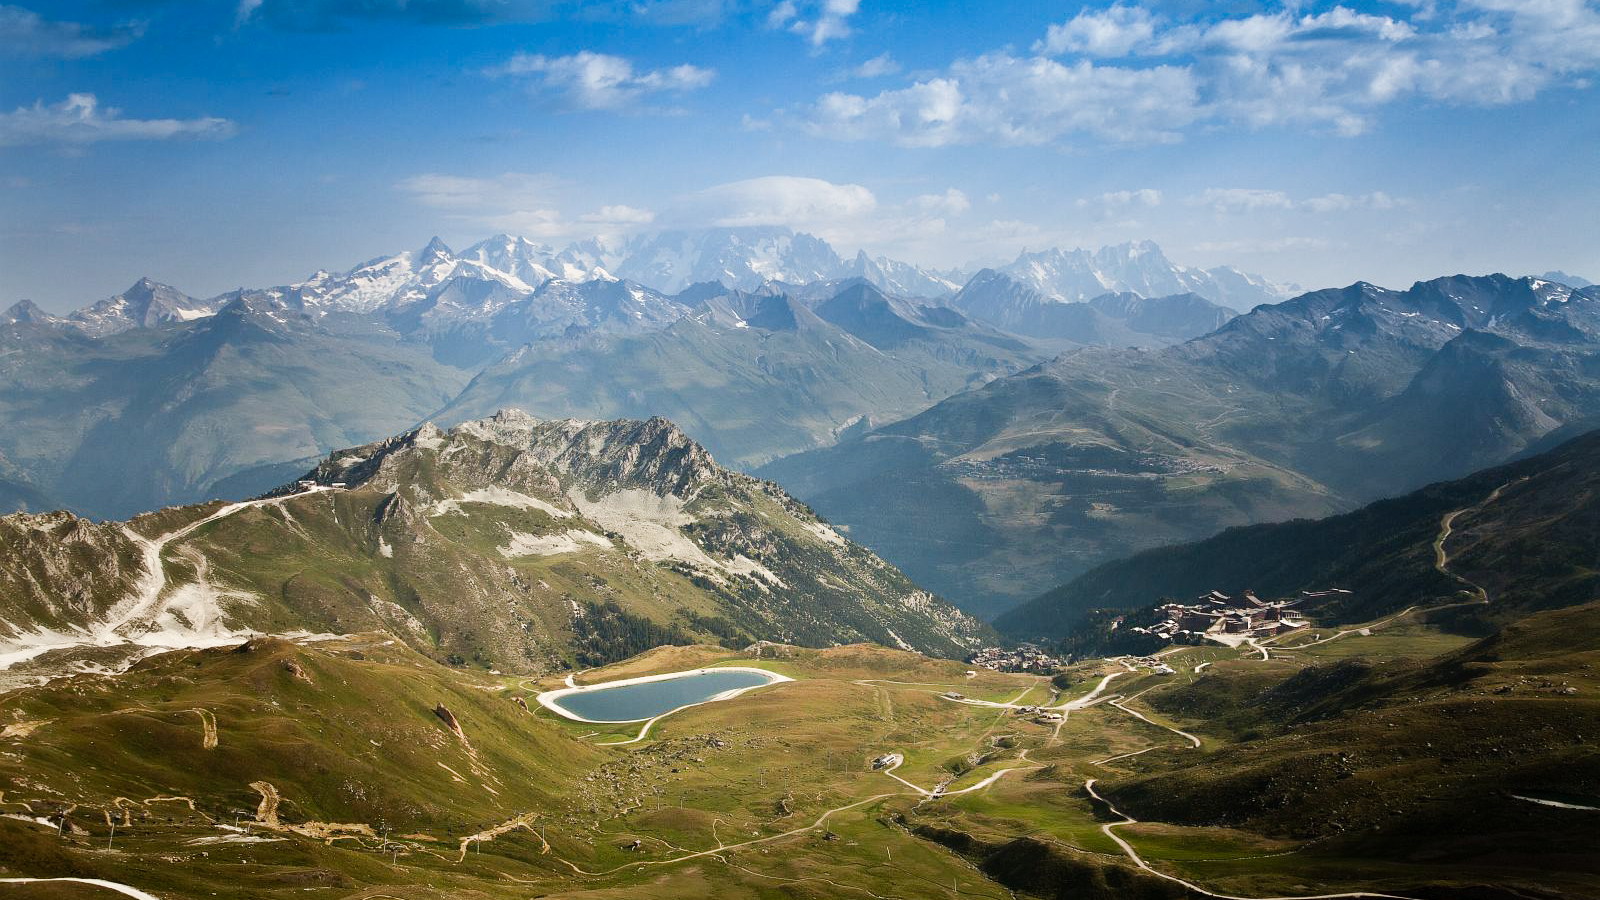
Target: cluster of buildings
x,y
1040,715
1024,658
1155,664
1229,620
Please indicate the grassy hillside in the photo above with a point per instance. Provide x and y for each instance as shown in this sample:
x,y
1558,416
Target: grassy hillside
x,y
1535,545
1299,786
1437,761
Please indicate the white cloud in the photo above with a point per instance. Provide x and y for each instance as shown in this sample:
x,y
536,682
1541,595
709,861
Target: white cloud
x,y
80,119
589,80
818,21
1344,202
519,203
619,214
1113,32
1126,74
782,14
950,203
24,32
1263,246
778,200
1225,200
848,216
512,189
1004,99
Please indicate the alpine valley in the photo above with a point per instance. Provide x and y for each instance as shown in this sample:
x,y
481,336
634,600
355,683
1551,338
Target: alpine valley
x,y
505,573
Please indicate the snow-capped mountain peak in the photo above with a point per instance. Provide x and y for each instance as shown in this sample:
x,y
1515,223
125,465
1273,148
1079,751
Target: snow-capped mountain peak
x,y
1140,267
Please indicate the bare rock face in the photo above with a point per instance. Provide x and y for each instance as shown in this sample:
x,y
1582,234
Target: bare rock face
x,y
57,569
449,719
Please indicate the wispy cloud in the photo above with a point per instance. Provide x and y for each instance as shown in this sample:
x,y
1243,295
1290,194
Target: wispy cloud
x,y
1120,200
1004,99
520,203
331,14
876,67
24,32
1248,200
589,80
776,200
80,119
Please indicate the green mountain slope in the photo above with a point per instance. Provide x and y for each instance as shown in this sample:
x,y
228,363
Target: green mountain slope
x,y
1449,762
509,543
1534,545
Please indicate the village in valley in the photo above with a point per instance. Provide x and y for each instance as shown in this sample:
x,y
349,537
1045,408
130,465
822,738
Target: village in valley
x,y
1022,658
1213,617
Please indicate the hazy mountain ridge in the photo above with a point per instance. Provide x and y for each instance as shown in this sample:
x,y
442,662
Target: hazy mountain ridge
x,y
757,375
1304,408
1125,319
146,417
487,277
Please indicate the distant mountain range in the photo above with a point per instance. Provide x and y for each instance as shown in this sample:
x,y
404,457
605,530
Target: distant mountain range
x,y
1572,281
1137,267
1303,408
442,286
155,397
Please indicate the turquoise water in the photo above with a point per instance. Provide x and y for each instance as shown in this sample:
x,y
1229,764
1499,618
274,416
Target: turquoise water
x,y
646,700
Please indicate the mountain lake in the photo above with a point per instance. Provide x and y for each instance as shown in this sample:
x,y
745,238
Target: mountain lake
x,y
638,699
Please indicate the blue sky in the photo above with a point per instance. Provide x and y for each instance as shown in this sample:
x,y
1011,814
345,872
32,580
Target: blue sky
x,y
214,145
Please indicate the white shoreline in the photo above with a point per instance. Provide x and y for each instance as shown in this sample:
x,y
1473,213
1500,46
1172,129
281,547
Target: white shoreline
x,y
547,699
124,889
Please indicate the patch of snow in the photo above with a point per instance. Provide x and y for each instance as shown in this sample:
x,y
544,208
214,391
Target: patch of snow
x,y
652,525
896,638
551,544
497,496
828,535
233,839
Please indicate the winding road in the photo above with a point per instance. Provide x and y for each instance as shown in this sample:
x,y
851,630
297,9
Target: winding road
x,y
1441,556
